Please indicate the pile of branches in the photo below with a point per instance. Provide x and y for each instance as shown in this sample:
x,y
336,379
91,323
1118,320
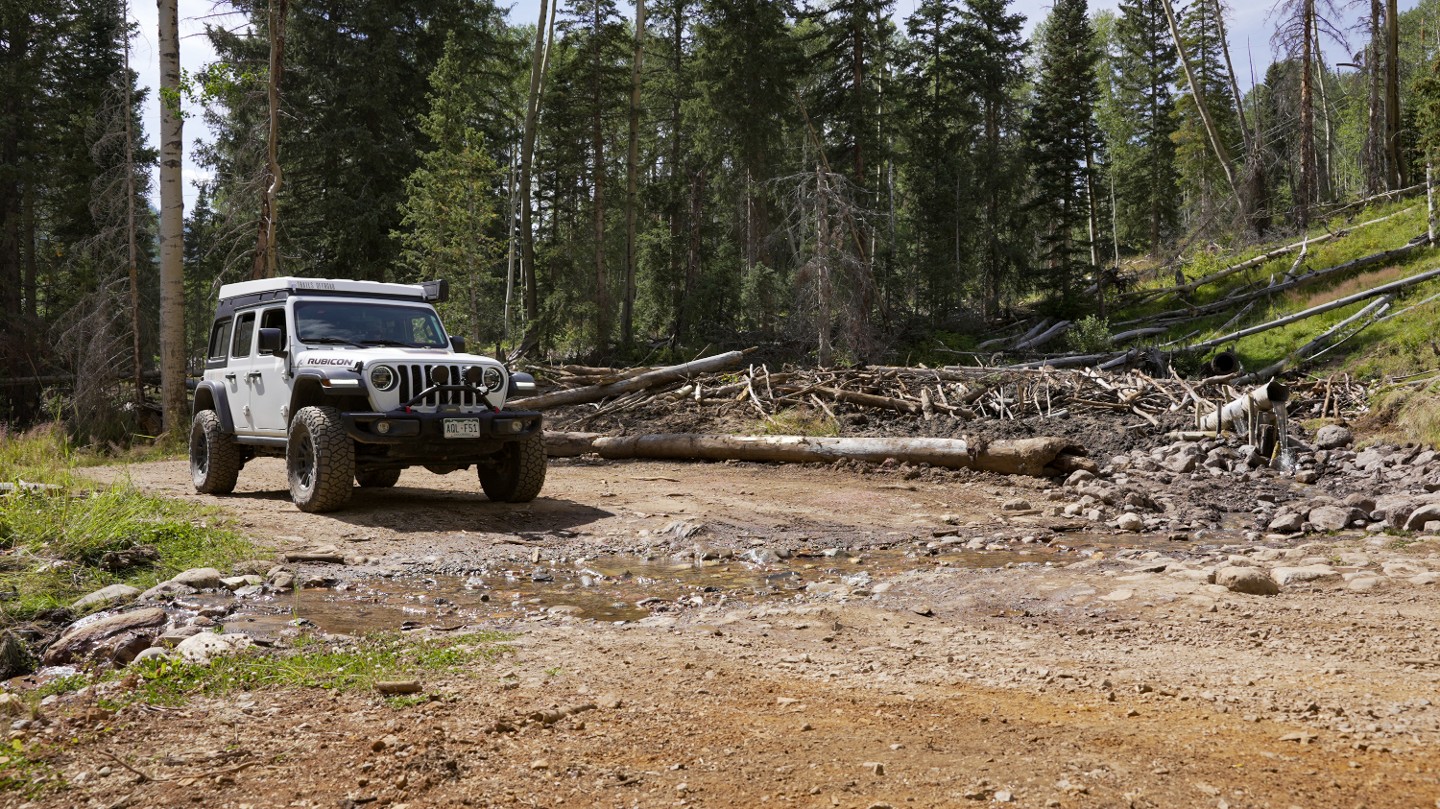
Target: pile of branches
x,y
959,393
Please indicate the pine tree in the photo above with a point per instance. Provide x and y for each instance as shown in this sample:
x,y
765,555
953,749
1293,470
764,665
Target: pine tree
x,y
993,68
1203,181
1145,70
1063,137
452,203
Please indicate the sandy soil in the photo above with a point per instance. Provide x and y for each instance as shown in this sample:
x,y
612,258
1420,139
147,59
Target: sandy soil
x,y
1104,673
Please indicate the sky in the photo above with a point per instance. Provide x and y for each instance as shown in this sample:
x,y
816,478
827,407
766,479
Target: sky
x,y
1249,28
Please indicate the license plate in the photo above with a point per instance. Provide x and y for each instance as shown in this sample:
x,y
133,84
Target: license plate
x,y
462,428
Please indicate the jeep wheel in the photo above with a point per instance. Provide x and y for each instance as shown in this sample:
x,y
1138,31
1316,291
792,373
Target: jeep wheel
x,y
319,459
377,478
516,473
214,458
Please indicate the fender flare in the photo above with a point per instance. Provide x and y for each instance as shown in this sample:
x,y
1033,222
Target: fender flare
x,y
219,397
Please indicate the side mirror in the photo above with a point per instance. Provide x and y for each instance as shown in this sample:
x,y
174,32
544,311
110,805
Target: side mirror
x,y
457,344
272,341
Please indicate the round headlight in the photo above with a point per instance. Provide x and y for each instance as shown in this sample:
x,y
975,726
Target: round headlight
x,y
382,377
492,378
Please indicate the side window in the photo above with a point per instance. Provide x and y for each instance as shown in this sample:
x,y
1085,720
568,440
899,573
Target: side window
x,y
244,335
219,339
274,319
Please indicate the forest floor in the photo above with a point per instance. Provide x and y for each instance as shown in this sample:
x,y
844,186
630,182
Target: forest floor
x,y
729,634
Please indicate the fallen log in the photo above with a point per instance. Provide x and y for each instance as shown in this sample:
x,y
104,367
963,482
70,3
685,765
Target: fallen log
x,y
1372,311
1037,457
649,379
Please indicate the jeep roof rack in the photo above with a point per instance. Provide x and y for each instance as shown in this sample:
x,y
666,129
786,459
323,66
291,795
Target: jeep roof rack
x,y
250,293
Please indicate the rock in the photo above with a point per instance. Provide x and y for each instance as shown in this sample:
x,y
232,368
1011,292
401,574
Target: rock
x,y
1307,476
1078,477
1248,580
1422,515
1015,504
1401,569
1425,579
166,590
1130,521
1286,576
1364,584
1333,518
1287,522
152,653
114,594
15,658
760,556
1333,436
282,581
1361,501
201,578
206,646
324,554
174,637
112,638
1180,464
115,561
236,582
11,704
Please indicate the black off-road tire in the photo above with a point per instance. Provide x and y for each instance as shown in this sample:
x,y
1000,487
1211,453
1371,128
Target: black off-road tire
x,y
377,478
319,460
518,471
214,456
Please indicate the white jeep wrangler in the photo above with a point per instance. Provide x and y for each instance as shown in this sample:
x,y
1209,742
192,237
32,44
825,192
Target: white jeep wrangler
x,y
353,381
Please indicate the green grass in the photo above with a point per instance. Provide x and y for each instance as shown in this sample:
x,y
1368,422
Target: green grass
x,y
354,666
52,543
20,773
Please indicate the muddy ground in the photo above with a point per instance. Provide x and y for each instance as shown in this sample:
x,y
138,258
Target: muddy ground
x,y
756,635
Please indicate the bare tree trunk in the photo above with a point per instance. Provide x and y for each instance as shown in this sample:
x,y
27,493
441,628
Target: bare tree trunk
x,y
1373,158
1222,154
267,253
1306,191
172,223
1394,155
527,152
132,254
597,211
822,268
1324,178
632,168
512,203
1430,201
1094,227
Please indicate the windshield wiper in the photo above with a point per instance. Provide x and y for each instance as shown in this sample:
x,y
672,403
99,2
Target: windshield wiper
x,y
387,342
330,341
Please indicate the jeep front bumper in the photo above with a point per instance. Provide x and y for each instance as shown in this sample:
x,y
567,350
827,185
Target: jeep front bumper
x,y
419,430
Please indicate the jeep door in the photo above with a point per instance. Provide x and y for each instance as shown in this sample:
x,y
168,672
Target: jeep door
x,y
238,372
269,395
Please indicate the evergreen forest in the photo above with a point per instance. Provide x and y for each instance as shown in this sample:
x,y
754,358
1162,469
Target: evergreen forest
x,y
828,179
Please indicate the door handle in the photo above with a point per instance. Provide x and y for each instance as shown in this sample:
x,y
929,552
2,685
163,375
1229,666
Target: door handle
x,y
230,377
254,375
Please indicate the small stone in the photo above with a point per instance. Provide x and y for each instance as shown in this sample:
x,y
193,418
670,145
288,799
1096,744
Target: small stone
x,y
398,687
1289,522
387,742
1003,796
875,767
114,594
1286,576
204,647
1016,504
540,764
1130,521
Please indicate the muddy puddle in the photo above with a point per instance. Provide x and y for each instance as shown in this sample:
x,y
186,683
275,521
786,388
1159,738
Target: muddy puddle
x,y
628,588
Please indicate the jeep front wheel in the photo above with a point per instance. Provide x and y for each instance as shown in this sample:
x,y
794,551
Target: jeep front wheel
x,y
319,460
214,457
516,473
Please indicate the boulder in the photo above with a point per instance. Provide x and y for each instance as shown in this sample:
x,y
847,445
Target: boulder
x,y
1333,518
1333,436
105,596
206,646
114,638
1130,521
1248,580
1417,519
1287,522
167,590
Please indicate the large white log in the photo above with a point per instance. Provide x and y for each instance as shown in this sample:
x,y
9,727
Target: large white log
x,y
1026,456
660,376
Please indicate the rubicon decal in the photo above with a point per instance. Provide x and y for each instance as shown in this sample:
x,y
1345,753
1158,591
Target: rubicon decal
x,y
328,361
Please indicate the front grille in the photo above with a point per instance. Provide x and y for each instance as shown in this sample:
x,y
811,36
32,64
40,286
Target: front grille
x,y
415,377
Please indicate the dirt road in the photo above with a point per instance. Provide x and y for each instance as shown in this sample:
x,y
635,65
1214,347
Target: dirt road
x,y
829,637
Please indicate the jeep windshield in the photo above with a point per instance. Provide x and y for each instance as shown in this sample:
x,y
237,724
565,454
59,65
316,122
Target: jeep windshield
x,y
368,323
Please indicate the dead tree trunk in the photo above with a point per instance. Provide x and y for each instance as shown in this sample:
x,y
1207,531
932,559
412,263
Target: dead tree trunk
x,y
632,168
650,379
1394,154
1305,193
172,222
527,152
1217,145
267,253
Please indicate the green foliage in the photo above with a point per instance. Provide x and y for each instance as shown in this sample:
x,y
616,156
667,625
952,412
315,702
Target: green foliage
x,y
1090,335
353,666
56,539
